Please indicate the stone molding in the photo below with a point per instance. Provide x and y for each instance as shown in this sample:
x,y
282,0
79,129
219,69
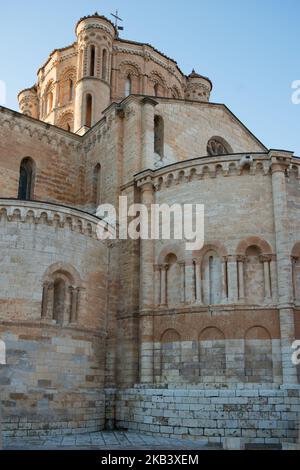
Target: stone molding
x,y
48,214
39,130
208,167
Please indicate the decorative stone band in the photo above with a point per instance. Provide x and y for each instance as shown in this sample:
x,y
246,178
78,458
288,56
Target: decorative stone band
x,y
38,130
212,167
61,217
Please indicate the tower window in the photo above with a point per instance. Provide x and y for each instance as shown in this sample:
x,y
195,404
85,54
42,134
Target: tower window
x,y
159,136
71,89
104,65
128,86
92,61
26,179
97,184
80,74
49,102
59,300
89,110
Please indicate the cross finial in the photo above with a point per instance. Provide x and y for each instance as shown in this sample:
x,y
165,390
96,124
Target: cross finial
x,y
117,19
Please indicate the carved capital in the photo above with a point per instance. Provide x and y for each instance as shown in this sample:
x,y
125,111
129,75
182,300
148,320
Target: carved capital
x,y
265,258
164,267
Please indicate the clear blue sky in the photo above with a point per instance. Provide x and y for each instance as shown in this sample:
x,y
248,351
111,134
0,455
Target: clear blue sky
x,y
249,48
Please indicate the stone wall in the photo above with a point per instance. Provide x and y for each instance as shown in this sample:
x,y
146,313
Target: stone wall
x,y
59,169
55,337
257,414
53,380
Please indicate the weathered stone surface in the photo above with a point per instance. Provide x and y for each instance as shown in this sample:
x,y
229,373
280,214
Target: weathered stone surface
x,y
144,335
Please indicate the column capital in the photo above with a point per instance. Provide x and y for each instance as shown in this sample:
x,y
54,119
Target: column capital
x,y
146,184
156,267
231,258
149,101
164,267
265,258
280,160
241,258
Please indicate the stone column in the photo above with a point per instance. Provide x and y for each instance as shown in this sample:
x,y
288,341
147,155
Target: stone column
x,y
190,282
198,282
267,279
157,283
224,280
164,285
146,290
241,284
273,273
294,262
148,133
74,294
182,281
50,301
45,301
280,163
232,279
144,85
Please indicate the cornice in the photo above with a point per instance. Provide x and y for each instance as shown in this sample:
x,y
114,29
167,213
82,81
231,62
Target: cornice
x,y
43,213
39,130
205,167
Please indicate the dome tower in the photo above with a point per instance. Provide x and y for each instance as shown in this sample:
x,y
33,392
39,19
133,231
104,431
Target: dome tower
x,y
95,36
198,87
28,102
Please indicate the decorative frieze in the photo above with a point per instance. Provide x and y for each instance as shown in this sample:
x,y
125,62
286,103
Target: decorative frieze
x,y
50,215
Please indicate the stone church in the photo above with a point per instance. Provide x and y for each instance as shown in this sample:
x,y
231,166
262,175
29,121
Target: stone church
x,y
143,334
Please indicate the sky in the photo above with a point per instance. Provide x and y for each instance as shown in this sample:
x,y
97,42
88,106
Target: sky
x,y
250,49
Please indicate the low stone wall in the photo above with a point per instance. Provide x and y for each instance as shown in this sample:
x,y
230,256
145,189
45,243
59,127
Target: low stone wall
x,y
259,415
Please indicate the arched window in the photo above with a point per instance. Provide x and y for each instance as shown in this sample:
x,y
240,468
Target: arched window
x,y
80,72
89,110
212,277
254,276
49,102
212,356
128,86
170,360
68,127
71,89
217,147
26,179
59,294
92,61
258,356
173,280
104,64
159,136
97,184
156,89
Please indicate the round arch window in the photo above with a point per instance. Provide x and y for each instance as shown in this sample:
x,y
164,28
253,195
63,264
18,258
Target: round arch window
x,y
217,147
